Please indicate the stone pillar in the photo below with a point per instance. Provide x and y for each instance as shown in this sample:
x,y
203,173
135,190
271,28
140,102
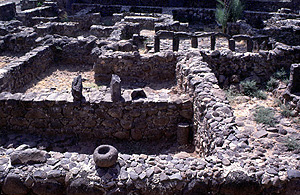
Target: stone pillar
x,y
194,42
135,39
249,45
77,88
212,42
183,131
115,88
156,43
294,85
175,43
231,44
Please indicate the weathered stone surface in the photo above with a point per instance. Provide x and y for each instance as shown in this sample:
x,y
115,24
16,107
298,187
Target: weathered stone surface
x,y
237,182
77,88
28,156
13,185
293,174
115,87
260,134
48,187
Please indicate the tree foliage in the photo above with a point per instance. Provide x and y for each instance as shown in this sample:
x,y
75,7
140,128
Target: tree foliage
x,y
228,11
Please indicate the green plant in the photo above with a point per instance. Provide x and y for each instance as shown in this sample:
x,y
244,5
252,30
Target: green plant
x,y
249,87
277,102
222,14
280,74
272,84
292,143
265,116
286,81
285,110
261,94
228,11
39,4
231,94
236,10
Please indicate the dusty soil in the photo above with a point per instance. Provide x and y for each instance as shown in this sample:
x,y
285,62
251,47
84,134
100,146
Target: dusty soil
x,y
59,79
244,108
6,58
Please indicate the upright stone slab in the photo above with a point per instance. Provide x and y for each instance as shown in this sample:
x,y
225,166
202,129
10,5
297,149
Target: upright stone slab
x,y
249,45
77,88
175,43
183,131
231,44
7,11
194,42
156,43
115,88
135,39
294,85
212,42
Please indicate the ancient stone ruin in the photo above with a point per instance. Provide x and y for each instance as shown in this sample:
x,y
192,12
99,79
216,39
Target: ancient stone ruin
x,y
134,97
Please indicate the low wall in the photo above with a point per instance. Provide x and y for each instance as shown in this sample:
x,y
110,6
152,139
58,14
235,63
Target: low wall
x,y
22,41
230,67
213,117
146,119
19,73
135,67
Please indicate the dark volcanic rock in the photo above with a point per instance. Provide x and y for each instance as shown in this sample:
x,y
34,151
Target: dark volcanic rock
x,y
77,88
28,156
13,185
238,183
49,187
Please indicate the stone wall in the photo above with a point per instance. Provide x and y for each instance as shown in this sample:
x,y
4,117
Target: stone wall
x,y
284,34
213,117
18,73
7,11
22,41
135,67
230,67
269,6
55,113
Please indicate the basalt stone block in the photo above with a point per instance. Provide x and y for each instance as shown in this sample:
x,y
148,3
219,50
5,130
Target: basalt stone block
x,y
183,131
28,156
48,187
13,185
77,88
239,183
115,88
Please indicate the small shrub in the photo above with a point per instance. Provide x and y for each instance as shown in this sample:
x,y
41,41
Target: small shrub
x,y
231,94
272,84
281,74
292,143
39,4
261,94
286,81
249,88
277,102
296,120
265,116
285,110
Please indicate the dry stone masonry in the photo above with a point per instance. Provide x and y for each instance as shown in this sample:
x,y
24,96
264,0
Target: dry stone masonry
x,y
145,110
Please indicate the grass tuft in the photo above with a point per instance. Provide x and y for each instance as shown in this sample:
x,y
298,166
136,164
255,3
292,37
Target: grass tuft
x,y
265,116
